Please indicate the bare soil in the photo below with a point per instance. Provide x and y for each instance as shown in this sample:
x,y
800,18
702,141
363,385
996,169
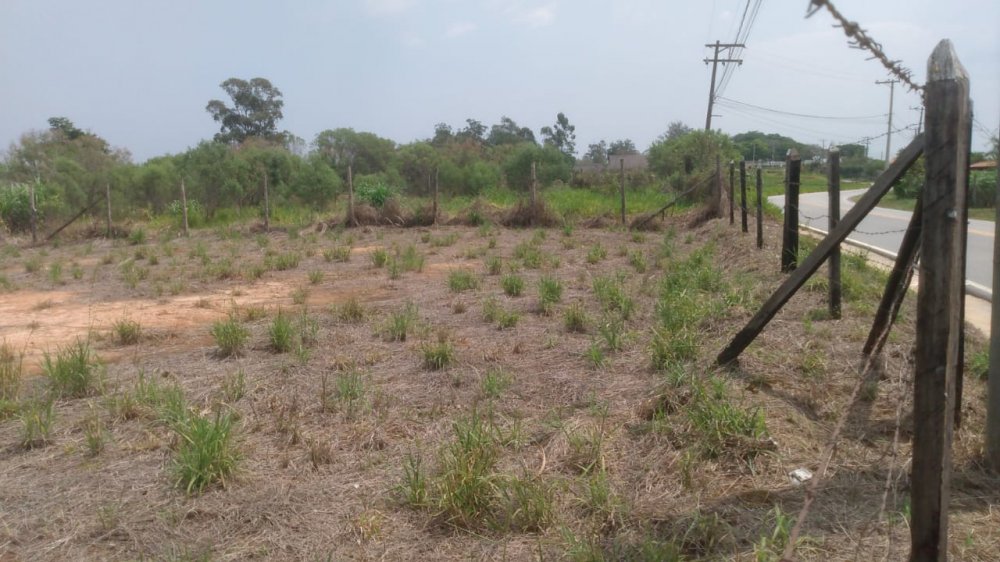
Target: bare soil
x,y
322,483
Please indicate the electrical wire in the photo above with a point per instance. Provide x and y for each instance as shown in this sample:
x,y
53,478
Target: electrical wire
x,y
804,115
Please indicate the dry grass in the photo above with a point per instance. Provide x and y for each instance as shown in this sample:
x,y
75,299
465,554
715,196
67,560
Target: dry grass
x,y
363,447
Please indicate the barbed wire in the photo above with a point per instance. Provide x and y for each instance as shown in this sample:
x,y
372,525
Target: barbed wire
x,y
859,39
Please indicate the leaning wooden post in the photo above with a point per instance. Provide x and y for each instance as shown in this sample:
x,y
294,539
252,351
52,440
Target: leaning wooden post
x,y
267,207
184,205
939,301
993,382
107,197
351,219
760,209
743,195
621,181
834,217
732,192
790,240
34,212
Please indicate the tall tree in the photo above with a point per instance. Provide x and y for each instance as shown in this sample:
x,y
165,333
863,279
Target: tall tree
x,y
66,127
675,129
562,135
474,130
597,153
508,132
623,146
255,112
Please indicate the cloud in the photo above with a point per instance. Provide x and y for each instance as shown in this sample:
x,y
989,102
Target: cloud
x,y
461,28
538,16
388,7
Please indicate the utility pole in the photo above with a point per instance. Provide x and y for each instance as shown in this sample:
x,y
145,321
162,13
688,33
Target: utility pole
x,y
888,135
715,60
920,123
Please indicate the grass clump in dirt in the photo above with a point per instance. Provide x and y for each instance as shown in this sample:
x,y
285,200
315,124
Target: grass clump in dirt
x,y
400,323
282,333
207,453
73,372
460,280
549,293
576,319
722,428
610,292
126,331
351,311
230,336
439,354
11,371
37,416
512,285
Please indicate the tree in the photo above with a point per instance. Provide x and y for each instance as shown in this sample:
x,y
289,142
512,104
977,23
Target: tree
x,y
255,112
597,153
442,134
551,165
562,135
695,150
675,129
367,153
474,131
624,146
66,127
508,132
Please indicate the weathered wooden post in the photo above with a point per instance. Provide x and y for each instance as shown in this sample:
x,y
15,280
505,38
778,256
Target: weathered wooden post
x,y
534,187
267,206
621,181
790,240
760,209
34,212
351,218
993,382
107,197
743,196
732,192
834,217
184,205
942,280
437,193
717,188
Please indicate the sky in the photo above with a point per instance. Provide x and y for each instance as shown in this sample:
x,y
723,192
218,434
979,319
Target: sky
x,y
140,72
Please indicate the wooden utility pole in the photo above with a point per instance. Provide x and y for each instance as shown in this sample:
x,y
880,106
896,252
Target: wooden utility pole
x,y
760,209
993,382
107,197
888,134
732,192
351,219
790,239
715,60
184,205
743,196
834,216
942,282
267,207
621,181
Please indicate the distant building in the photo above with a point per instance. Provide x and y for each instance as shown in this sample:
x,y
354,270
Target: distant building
x,y
984,165
633,163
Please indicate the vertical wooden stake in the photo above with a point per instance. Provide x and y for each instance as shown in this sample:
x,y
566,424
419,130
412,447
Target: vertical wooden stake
x,y
184,205
107,197
760,209
743,195
351,220
534,186
34,212
939,301
436,195
732,192
621,182
267,207
834,217
717,188
993,382
790,241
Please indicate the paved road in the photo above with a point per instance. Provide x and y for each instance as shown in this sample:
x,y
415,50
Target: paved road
x,y
883,228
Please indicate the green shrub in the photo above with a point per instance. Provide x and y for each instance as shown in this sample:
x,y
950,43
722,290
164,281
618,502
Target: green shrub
x,y
73,372
380,257
400,323
127,331
549,293
512,284
207,452
36,417
230,336
373,190
438,355
575,318
460,280
282,333
11,371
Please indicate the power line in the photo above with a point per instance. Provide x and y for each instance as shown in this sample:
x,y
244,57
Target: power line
x,y
805,115
742,34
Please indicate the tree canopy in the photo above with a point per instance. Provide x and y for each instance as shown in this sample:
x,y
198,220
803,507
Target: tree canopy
x,y
255,112
562,135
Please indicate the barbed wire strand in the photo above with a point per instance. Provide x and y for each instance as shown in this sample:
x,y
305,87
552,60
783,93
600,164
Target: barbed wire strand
x,y
859,39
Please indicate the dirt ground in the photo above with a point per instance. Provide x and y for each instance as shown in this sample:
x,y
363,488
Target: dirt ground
x,y
322,482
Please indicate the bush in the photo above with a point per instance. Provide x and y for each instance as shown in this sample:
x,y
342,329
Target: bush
x,y
206,453
73,372
230,336
373,190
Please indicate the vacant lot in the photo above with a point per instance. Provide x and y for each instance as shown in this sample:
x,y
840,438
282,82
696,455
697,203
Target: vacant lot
x,y
449,393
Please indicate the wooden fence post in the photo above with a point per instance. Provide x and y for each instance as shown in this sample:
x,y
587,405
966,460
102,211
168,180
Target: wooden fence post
x,y
437,193
942,281
184,205
107,196
732,193
743,196
621,181
351,219
834,217
790,240
717,188
993,381
534,187
760,209
34,212
267,207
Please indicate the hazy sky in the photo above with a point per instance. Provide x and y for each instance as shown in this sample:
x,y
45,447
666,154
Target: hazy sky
x,y
140,72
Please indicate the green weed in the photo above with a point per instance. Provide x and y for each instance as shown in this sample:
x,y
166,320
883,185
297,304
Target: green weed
x,y
230,336
73,372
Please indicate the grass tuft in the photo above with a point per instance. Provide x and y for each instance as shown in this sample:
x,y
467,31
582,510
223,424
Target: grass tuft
x,y
73,372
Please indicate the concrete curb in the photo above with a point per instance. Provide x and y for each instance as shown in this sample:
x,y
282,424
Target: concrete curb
x,y
971,288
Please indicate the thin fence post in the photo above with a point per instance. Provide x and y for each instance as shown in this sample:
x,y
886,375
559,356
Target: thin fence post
x,y
834,217
760,209
743,195
534,186
107,197
732,193
717,191
939,301
621,181
34,212
267,207
184,205
436,195
993,380
790,240
351,219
